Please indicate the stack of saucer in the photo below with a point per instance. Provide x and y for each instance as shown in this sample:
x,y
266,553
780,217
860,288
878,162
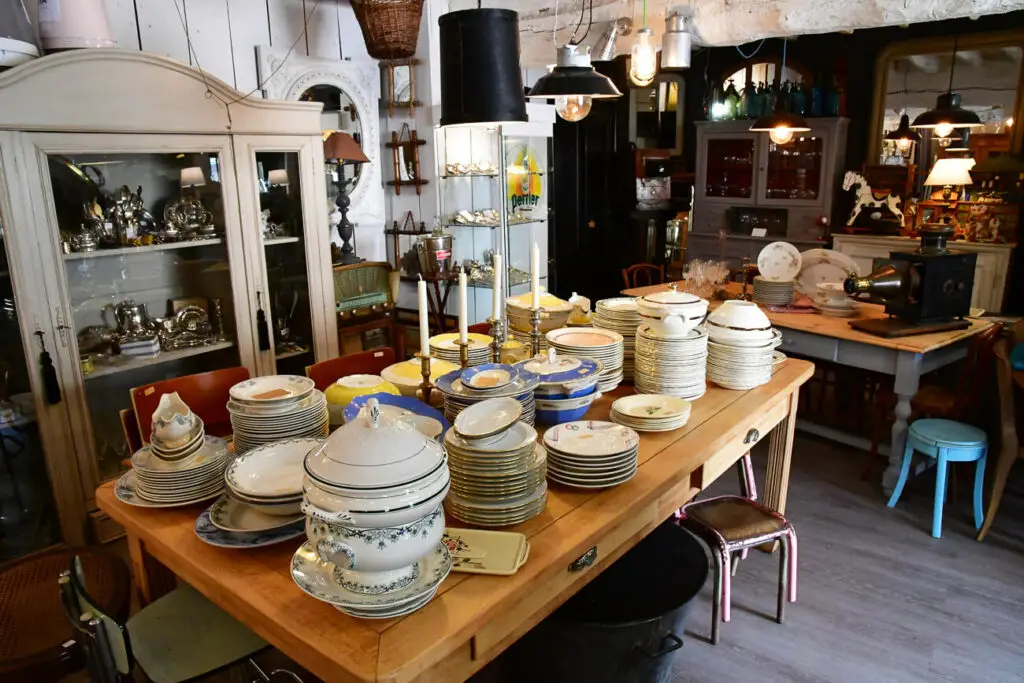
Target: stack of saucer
x,y
651,412
497,467
277,407
772,292
445,347
463,388
598,343
156,482
671,365
591,455
620,315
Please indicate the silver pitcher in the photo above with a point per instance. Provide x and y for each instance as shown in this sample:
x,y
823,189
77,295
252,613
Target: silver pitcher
x,y
131,318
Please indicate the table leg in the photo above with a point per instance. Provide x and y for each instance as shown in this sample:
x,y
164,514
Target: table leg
x,y
151,578
780,455
908,377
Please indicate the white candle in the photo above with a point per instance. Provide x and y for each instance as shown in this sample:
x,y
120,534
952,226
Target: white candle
x,y
424,317
496,307
463,308
535,277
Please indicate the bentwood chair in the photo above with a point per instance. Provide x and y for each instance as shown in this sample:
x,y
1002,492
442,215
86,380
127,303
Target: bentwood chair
x,y
1010,415
643,274
731,525
206,393
371,362
177,638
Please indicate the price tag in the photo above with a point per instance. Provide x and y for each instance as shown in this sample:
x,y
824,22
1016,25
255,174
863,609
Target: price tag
x,y
759,232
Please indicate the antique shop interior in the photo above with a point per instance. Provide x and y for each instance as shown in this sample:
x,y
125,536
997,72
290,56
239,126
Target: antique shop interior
x,y
448,340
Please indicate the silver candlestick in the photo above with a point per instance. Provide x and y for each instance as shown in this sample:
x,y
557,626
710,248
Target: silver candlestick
x,y
497,338
535,332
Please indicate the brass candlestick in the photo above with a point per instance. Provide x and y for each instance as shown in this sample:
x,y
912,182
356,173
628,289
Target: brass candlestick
x,y
463,353
425,385
535,332
497,338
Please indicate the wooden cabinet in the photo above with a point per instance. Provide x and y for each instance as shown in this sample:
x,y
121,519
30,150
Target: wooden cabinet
x,y
990,272
743,172
104,153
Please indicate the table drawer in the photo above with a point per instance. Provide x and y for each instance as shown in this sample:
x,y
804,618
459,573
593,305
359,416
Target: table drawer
x,y
727,456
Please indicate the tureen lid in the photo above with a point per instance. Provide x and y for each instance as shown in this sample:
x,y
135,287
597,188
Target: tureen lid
x,y
672,296
552,368
374,451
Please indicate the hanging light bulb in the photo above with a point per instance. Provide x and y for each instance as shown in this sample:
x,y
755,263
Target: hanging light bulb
x,y
781,135
904,136
948,113
781,124
643,66
573,107
903,144
943,130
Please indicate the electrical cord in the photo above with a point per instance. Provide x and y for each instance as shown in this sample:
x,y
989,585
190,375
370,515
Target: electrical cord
x,y
752,54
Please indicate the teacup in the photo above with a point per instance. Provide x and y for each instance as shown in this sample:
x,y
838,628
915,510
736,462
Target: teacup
x,y
173,422
831,293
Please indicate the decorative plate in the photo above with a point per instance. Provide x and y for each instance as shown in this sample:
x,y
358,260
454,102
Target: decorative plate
x,y
591,438
235,516
652,407
489,376
271,389
823,265
209,533
779,262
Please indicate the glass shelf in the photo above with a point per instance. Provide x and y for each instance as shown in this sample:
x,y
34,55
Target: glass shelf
x,y
124,363
144,249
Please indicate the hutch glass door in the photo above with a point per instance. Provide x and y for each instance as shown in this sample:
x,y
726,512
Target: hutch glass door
x,y
793,171
150,260
730,168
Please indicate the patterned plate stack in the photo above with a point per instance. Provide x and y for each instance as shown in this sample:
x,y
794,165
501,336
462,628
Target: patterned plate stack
x,y
773,293
268,409
600,344
620,315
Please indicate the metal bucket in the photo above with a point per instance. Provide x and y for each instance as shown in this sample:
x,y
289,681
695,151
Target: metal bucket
x,y
435,254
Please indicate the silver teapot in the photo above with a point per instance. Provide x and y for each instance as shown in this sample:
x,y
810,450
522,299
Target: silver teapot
x,y
131,318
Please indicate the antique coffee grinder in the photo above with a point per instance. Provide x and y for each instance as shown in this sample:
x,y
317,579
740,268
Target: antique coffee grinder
x,y
928,290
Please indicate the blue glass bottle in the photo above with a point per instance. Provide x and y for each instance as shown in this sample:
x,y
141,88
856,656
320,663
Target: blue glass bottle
x,y
817,99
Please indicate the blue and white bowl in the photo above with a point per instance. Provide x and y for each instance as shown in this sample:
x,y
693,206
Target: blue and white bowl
x,y
563,377
557,411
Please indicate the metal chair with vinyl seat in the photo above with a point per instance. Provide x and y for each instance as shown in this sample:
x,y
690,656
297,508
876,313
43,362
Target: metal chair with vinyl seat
x,y
177,638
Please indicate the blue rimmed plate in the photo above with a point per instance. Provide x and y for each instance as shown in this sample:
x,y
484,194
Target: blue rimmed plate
x,y
451,385
208,532
489,376
407,409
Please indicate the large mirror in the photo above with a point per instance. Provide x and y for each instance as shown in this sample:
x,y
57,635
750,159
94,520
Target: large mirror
x,y
656,114
986,73
340,114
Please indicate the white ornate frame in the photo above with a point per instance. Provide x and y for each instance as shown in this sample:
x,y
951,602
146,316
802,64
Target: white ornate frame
x,y
287,79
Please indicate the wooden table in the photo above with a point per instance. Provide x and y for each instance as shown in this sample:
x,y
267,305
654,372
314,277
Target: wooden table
x,y
812,335
474,617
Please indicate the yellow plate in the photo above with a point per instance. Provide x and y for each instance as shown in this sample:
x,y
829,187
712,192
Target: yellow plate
x,y
448,339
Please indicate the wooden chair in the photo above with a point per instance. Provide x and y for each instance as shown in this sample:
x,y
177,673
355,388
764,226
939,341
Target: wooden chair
x,y
1010,448
205,393
371,362
177,638
480,328
642,275
132,437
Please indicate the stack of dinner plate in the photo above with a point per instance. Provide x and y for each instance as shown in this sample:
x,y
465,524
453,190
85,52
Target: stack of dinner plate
x,y
445,346
591,455
772,292
524,338
497,467
671,365
277,407
740,367
620,315
598,343
651,412
463,388
156,482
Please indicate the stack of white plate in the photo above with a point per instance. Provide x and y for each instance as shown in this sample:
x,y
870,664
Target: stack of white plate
x,y
598,343
673,365
524,338
445,347
620,315
156,482
736,366
463,388
651,412
591,455
277,407
497,467
772,292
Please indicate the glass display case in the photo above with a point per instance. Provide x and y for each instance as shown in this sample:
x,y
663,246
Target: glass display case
x,y
730,169
794,171
494,193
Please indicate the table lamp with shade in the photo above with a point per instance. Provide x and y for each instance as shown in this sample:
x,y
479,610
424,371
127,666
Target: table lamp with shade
x,y
342,148
949,173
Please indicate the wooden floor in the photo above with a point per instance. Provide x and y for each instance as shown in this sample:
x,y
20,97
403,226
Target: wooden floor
x,y
880,599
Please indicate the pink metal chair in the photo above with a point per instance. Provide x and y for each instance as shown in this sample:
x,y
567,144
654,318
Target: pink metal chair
x,y
731,525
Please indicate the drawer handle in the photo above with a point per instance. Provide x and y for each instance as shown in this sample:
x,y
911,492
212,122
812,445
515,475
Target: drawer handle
x,y
584,560
752,436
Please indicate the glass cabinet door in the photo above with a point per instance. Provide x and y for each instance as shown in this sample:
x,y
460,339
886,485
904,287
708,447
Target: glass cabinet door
x,y
150,249
729,171
526,203
793,171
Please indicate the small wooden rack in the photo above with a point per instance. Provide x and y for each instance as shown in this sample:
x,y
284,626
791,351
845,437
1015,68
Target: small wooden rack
x,y
412,144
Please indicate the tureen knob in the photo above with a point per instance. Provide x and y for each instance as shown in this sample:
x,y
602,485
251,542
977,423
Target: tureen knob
x,y
373,411
674,287
551,355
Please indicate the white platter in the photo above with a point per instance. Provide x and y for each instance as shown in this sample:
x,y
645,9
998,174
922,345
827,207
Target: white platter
x,y
823,265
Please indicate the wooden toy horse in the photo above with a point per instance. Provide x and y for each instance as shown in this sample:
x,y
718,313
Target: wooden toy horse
x,y
867,199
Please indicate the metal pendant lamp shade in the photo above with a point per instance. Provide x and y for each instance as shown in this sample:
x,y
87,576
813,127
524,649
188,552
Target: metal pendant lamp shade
x,y
949,113
574,76
781,119
676,43
17,41
481,80
904,132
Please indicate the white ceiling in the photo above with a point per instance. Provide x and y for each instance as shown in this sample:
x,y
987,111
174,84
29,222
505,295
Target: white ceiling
x,y
729,22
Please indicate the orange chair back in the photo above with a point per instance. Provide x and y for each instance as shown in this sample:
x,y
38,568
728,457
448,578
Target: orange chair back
x,y
369,362
130,426
480,328
642,275
205,393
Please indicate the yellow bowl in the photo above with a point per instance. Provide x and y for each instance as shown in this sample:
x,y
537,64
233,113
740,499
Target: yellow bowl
x,y
347,388
407,374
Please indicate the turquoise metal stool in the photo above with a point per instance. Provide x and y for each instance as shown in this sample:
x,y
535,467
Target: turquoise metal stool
x,y
946,441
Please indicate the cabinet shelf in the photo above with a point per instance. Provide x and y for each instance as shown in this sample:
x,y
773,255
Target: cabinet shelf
x,y
126,363
486,225
280,240
291,354
122,251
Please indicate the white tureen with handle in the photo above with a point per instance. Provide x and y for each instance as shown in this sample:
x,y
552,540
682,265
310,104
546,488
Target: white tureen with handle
x,y
672,312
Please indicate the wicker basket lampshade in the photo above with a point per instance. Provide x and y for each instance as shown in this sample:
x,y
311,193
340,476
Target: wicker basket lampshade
x,y
390,27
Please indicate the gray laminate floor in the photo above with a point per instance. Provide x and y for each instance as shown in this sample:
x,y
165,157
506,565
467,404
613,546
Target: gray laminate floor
x,y
879,598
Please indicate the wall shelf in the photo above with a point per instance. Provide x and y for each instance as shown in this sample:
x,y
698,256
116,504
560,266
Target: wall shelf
x,y
122,251
124,363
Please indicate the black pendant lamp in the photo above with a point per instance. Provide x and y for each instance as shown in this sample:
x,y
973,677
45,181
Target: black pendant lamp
x,y
904,133
947,114
481,80
781,124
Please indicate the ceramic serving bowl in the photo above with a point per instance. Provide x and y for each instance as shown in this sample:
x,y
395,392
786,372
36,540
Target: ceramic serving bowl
x,y
347,388
563,376
407,375
554,312
375,560
375,512
173,422
557,411
564,390
672,312
487,421
740,315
